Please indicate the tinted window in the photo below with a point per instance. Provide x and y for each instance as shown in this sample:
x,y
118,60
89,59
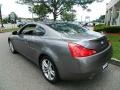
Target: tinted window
x,y
28,29
67,28
39,31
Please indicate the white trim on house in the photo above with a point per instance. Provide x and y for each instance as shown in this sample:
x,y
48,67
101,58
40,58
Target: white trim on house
x,y
113,13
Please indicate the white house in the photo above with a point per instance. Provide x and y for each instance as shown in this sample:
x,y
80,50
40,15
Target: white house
x,y
113,13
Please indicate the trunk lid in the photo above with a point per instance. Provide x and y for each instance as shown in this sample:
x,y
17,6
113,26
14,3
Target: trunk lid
x,y
89,39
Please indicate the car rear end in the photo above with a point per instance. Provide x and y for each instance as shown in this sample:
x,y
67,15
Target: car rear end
x,y
82,54
81,61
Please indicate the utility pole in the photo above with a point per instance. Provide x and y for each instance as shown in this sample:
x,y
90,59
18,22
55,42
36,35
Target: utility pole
x,y
1,17
30,9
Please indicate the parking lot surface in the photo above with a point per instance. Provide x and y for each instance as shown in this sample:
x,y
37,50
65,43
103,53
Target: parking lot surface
x,y
18,73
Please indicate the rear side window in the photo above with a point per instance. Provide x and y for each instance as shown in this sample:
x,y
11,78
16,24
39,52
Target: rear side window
x,y
39,29
67,28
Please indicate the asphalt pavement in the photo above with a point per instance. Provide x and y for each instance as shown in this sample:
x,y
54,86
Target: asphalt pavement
x,y
18,73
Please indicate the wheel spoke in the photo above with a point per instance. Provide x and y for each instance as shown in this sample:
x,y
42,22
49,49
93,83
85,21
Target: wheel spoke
x,y
48,70
49,64
52,72
45,70
49,75
45,64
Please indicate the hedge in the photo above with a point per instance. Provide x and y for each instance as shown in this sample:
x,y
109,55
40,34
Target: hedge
x,y
107,29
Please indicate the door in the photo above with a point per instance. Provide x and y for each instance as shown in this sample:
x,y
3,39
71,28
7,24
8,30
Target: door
x,y
36,42
25,34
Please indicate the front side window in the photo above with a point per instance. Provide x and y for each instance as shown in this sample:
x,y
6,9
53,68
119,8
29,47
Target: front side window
x,y
28,29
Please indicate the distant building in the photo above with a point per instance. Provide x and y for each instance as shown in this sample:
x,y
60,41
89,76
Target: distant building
x,y
113,13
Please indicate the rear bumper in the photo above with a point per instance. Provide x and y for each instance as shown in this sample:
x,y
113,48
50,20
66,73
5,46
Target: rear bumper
x,y
86,66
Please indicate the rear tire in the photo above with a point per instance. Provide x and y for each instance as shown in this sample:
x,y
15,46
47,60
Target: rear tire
x,y
12,49
49,70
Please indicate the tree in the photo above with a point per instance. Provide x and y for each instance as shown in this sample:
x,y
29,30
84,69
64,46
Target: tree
x,y
40,10
68,16
102,17
12,17
5,20
56,7
1,21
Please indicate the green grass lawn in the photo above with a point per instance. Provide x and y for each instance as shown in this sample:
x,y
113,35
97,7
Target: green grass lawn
x,y
8,30
115,40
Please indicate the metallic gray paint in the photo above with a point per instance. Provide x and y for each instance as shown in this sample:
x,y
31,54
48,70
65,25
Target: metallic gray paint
x,y
55,45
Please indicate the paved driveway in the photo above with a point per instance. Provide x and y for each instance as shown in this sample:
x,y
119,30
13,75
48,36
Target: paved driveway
x,y
17,73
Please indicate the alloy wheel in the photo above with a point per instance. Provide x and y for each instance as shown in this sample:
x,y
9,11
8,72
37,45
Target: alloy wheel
x,y
48,70
11,47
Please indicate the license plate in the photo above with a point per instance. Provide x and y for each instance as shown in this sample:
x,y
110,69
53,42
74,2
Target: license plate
x,y
105,65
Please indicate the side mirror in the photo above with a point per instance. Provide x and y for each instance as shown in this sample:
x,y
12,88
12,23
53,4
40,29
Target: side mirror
x,y
14,33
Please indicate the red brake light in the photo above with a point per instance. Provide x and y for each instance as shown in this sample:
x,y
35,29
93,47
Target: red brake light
x,y
77,50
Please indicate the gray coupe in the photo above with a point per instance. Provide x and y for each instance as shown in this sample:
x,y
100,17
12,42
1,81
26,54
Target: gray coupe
x,y
63,50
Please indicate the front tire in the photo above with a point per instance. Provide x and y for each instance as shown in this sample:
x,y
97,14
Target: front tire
x,y
12,49
49,70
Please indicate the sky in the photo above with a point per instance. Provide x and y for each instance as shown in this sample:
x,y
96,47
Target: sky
x,y
22,10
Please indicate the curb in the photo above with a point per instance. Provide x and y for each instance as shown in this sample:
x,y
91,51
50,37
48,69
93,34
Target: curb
x,y
115,61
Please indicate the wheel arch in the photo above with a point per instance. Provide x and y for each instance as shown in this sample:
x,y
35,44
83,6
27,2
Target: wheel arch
x,y
41,56
52,59
8,40
48,52
48,55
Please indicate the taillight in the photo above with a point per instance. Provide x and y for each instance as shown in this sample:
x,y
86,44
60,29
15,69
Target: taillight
x,y
77,50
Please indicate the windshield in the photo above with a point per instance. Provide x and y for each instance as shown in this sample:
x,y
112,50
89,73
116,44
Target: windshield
x,y
67,28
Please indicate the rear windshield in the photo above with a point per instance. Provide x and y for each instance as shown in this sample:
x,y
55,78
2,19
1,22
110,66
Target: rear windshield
x,y
67,28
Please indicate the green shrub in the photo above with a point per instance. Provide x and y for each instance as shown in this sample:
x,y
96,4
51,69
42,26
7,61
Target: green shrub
x,y
108,29
100,25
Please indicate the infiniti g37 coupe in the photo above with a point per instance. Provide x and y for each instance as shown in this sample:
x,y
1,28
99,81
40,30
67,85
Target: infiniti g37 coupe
x,y
63,50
